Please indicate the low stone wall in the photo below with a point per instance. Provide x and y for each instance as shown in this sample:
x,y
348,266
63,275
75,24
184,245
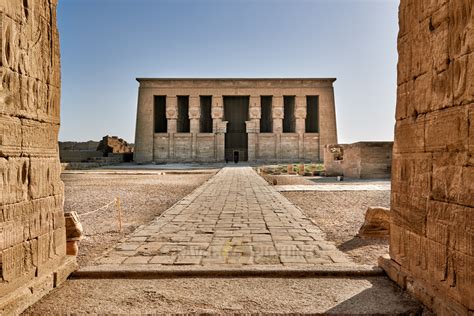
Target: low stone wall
x,y
362,160
79,155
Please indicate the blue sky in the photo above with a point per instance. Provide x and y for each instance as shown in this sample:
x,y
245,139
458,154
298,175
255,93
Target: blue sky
x,y
106,44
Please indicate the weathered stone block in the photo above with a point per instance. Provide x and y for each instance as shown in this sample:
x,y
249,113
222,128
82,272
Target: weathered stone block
x,y
453,175
447,130
13,262
14,174
10,136
463,72
441,89
409,136
376,224
411,174
44,177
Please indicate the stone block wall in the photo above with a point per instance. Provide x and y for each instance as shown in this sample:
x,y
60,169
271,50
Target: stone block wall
x,y
362,160
432,234
32,228
152,145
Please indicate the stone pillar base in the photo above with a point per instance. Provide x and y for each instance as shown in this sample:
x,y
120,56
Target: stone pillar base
x,y
435,299
15,302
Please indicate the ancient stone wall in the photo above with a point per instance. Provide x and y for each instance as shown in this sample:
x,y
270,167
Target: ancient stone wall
x,y
363,160
32,228
114,145
174,146
432,233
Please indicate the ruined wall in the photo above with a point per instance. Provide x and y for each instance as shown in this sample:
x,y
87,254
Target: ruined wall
x,y
432,234
363,160
32,229
115,145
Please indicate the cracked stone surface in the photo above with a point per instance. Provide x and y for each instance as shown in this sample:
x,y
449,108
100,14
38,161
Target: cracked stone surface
x,y
234,219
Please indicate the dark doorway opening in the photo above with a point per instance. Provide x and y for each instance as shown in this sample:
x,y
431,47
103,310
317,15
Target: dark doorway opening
x,y
236,111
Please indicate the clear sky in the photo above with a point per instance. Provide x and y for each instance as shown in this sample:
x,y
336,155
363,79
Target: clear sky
x,y
106,44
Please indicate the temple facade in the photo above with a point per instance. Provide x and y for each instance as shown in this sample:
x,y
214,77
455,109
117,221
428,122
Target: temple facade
x,y
213,120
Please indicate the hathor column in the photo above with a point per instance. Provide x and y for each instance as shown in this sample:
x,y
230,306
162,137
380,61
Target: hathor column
x,y
219,127
300,115
194,113
277,115
172,119
253,126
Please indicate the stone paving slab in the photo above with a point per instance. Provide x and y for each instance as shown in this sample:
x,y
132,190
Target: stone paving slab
x,y
235,219
333,187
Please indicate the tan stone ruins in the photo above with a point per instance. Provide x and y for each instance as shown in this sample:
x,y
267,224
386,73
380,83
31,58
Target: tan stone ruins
x,y
111,149
432,233
363,160
205,120
32,227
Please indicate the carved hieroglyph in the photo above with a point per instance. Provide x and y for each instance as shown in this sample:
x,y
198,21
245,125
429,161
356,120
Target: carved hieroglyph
x,y
32,228
432,233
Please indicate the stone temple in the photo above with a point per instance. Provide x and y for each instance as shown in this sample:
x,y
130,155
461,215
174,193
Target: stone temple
x,y
211,120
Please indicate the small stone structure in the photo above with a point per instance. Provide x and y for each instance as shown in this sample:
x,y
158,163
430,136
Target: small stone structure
x,y
114,145
432,231
376,224
111,149
209,120
32,227
362,160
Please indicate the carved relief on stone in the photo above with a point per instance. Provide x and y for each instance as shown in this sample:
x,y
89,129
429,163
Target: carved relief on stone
x,y
300,113
171,114
254,101
217,113
194,113
252,126
255,113
278,113
277,129
221,127
216,101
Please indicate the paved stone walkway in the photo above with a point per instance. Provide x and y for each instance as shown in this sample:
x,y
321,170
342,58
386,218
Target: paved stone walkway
x,y
236,218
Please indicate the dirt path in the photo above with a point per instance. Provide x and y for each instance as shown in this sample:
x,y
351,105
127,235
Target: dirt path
x,y
375,296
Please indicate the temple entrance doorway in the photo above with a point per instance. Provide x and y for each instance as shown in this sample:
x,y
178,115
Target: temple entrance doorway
x,y
236,109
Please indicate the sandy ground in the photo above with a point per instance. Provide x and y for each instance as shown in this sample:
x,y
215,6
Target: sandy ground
x,y
340,215
142,196
373,295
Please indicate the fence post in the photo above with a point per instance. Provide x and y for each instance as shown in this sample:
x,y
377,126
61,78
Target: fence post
x,y
119,213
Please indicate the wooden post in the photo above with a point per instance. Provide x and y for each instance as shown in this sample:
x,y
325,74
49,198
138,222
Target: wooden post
x,y
119,213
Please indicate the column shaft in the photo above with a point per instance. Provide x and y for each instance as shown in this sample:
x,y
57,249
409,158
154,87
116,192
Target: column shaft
x,y
219,127
327,120
277,114
300,115
172,117
194,116
144,130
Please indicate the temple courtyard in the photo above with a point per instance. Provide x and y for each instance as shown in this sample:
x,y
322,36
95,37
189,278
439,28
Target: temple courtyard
x,y
222,238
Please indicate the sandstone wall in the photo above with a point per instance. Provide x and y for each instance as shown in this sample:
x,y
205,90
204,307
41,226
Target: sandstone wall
x,y
363,160
432,234
32,229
